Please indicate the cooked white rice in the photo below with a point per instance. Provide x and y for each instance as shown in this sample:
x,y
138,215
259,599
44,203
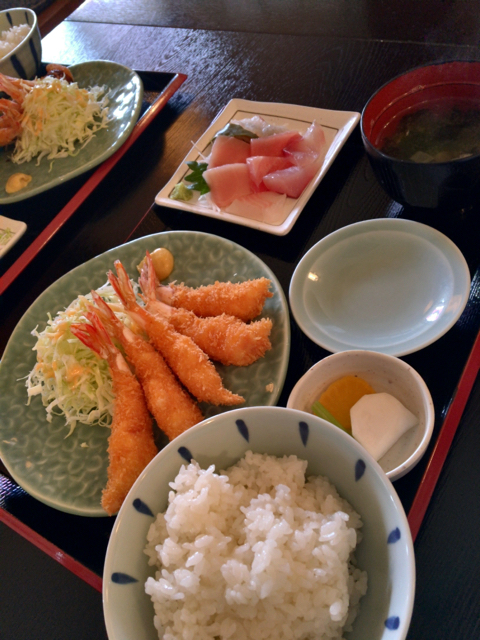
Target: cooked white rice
x,y
257,552
12,37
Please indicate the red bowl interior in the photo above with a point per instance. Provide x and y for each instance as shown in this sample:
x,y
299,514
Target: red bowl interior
x,y
441,84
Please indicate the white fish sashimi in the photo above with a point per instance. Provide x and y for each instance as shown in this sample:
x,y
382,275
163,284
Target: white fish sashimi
x,y
266,206
259,126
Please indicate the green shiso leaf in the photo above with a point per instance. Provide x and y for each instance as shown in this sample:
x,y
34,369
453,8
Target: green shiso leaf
x,y
236,131
196,176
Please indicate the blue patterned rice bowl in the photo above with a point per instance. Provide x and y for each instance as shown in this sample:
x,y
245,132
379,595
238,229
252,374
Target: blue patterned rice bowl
x,y
385,551
24,60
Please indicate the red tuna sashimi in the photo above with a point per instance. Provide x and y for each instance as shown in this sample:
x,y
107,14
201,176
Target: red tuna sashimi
x,y
291,181
273,145
309,147
228,182
228,150
260,166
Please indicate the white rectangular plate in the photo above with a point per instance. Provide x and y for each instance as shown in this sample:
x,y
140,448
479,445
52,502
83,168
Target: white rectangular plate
x,y
10,232
337,125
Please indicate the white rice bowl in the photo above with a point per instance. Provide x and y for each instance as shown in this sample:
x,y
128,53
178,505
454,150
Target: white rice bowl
x,y
235,570
20,43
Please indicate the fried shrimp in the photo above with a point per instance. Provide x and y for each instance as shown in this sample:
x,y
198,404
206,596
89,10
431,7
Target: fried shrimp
x,y
186,359
10,121
223,338
11,110
173,409
130,444
243,300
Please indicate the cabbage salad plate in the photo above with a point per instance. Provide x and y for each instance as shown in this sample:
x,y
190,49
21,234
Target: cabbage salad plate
x,y
69,473
124,90
388,285
337,127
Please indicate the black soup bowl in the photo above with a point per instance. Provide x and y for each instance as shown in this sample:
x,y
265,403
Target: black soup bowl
x,y
435,89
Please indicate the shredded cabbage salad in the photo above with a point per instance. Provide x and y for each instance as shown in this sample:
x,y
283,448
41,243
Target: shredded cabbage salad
x,y
71,379
59,119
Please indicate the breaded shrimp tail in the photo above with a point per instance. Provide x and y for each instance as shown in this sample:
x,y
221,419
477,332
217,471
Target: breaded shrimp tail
x,y
243,300
186,359
130,445
148,280
173,409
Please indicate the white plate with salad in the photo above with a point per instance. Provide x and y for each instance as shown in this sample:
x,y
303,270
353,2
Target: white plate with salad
x,y
263,201
123,94
64,464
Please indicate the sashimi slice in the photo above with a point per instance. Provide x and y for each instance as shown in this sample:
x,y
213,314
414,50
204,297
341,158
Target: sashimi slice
x,y
273,145
260,166
311,146
228,182
291,181
227,150
267,207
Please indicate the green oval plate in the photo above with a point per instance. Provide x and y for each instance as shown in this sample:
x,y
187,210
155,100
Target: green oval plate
x,y
125,93
61,472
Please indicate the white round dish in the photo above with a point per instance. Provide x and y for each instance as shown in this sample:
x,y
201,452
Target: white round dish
x,y
385,552
384,373
388,285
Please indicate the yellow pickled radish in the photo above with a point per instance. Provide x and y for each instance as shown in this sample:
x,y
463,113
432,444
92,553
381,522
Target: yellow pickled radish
x,y
341,395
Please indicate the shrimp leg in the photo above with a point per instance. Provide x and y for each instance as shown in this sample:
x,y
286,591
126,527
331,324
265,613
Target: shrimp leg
x,y
244,300
223,338
186,359
173,409
130,445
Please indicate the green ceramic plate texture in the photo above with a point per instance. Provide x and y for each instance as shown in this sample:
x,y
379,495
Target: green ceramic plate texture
x,y
125,93
61,472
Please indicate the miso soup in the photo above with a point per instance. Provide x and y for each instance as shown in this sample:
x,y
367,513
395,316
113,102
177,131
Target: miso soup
x,y
435,133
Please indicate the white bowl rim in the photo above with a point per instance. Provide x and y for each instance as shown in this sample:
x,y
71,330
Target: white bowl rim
x,y
411,461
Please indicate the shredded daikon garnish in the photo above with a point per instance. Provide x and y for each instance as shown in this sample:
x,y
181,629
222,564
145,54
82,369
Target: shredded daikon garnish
x,y
59,119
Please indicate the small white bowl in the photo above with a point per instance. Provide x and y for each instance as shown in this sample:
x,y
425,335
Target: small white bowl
x,y
24,60
384,373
